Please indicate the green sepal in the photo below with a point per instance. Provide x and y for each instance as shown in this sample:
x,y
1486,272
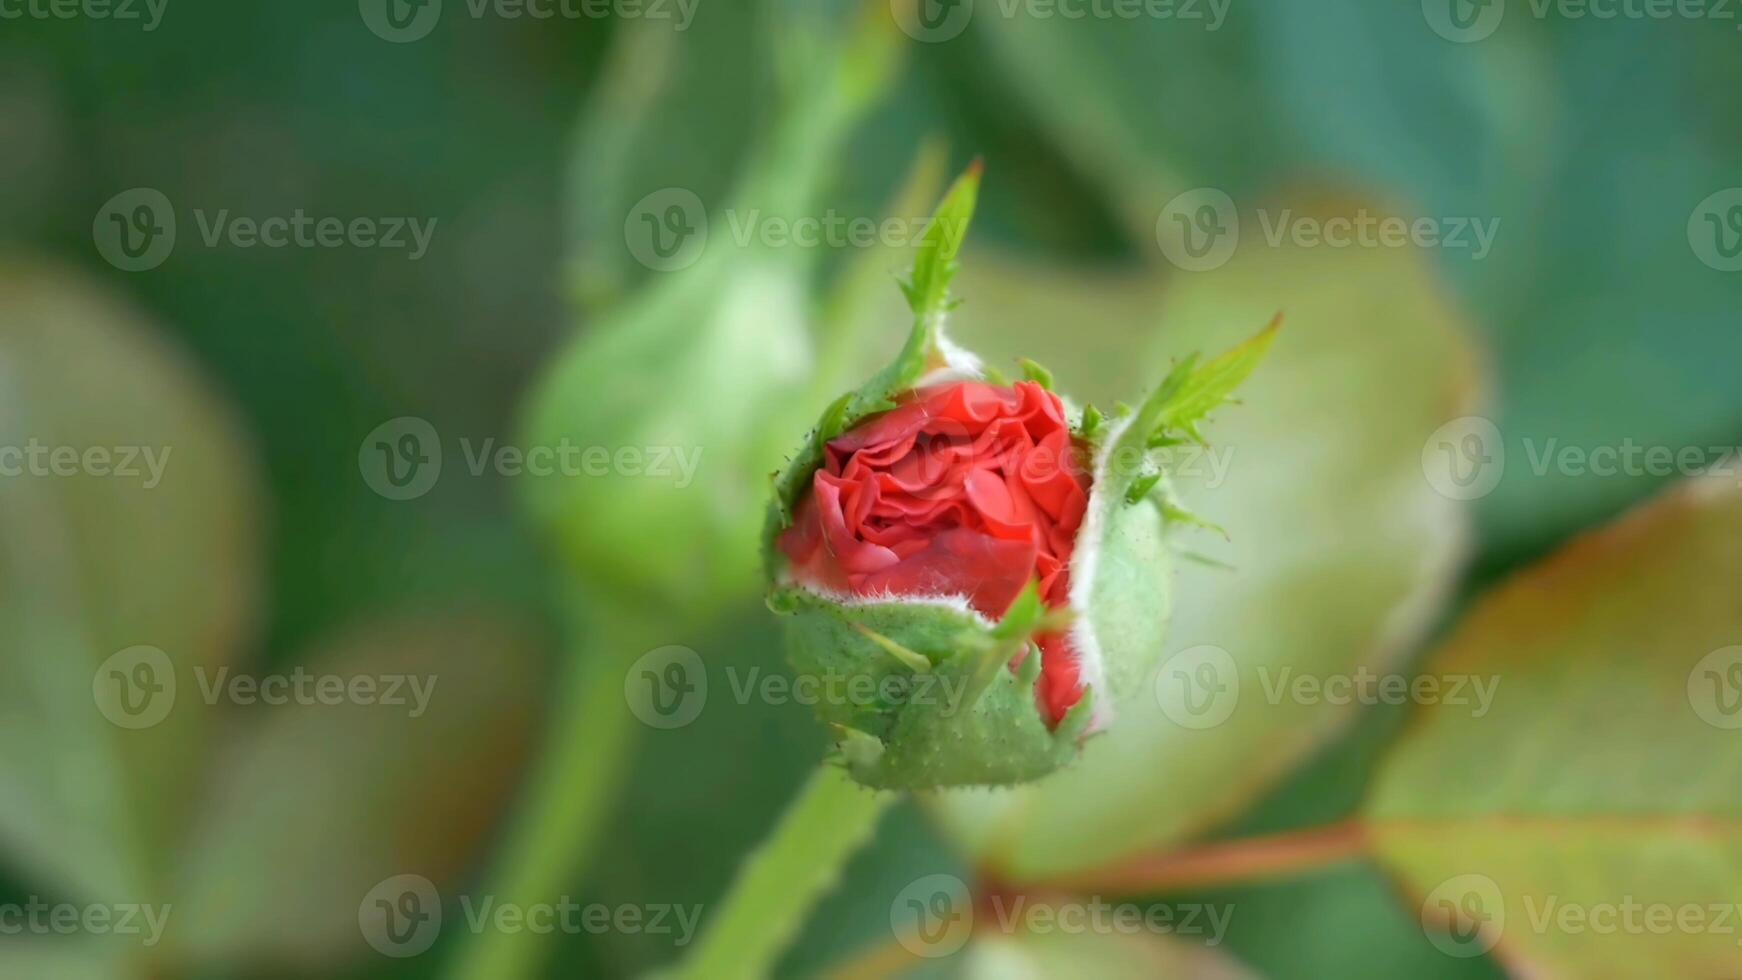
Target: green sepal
x,y
1171,414
1190,392
1033,371
1089,429
967,719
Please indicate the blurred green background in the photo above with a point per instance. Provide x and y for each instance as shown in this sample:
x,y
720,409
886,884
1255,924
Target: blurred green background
x,y
1600,316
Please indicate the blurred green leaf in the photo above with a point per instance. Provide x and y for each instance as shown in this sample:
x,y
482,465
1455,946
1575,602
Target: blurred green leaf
x,y
666,112
1604,777
1344,922
315,804
151,549
708,362
1338,545
1241,97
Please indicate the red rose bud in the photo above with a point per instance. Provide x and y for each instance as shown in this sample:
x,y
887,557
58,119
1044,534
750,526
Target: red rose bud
x,y
967,489
975,571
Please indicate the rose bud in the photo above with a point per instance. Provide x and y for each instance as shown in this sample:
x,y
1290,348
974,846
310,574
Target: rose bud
x,y
975,571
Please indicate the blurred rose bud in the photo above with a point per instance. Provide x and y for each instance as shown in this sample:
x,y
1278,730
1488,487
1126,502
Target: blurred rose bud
x,y
976,572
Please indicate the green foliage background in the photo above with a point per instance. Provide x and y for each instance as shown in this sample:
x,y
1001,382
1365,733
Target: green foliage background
x,y
1592,322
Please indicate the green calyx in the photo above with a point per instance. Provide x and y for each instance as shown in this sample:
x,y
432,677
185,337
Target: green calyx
x,y
921,692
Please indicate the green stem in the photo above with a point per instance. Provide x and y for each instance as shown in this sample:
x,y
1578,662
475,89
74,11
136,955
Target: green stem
x,y
779,883
568,798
